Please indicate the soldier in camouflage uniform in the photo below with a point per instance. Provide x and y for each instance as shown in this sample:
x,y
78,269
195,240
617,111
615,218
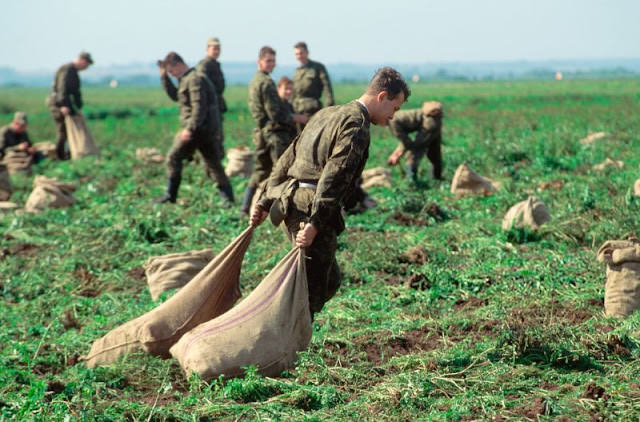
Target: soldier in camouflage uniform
x,y
211,67
65,98
426,123
14,136
309,82
273,120
319,170
285,91
200,120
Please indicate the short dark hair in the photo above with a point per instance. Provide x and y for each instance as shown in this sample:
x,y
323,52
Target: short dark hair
x,y
283,81
389,80
266,50
301,44
173,59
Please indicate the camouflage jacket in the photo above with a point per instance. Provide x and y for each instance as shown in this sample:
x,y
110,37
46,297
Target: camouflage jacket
x,y
197,99
427,128
309,81
330,152
267,109
65,91
211,67
9,138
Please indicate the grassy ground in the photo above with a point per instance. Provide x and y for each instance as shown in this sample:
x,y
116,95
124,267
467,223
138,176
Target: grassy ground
x,y
441,315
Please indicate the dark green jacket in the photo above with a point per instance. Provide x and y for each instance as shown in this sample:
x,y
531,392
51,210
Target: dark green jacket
x,y
267,109
211,67
9,138
197,100
331,152
309,82
65,91
427,129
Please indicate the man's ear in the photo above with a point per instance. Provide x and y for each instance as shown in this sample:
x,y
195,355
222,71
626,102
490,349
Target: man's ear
x,y
381,96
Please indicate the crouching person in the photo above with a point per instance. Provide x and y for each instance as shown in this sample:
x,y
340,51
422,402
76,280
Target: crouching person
x,y
311,180
14,137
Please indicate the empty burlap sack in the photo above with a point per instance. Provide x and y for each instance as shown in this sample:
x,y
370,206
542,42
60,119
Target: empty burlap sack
x,y
608,163
240,162
378,176
432,108
47,149
210,293
5,183
531,213
636,188
266,329
49,193
468,182
149,155
18,161
6,206
622,290
592,137
80,141
174,270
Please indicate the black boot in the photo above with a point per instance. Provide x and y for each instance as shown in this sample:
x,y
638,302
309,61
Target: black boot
x,y
61,152
172,192
248,197
226,193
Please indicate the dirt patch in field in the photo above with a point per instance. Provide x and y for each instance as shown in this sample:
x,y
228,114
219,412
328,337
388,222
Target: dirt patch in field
x,y
69,320
556,184
536,314
137,273
339,354
599,303
533,409
415,255
594,392
158,400
470,303
617,347
408,220
21,249
549,386
476,330
87,282
418,282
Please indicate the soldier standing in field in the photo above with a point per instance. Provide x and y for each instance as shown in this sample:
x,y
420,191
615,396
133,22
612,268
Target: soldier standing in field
x,y
319,171
285,91
426,123
200,120
273,120
65,98
210,66
309,82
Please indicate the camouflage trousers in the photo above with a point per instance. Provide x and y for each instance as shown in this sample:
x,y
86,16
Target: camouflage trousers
x,y
413,156
211,150
61,131
269,147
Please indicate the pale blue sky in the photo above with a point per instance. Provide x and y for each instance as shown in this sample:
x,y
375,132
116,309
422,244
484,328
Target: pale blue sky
x,y
42,34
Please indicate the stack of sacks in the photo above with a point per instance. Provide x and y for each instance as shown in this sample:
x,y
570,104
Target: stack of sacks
x,y
531,213
149,155
378,176
468,182
622,290
174,270
240,162
18,161
47,149
6,206
49,193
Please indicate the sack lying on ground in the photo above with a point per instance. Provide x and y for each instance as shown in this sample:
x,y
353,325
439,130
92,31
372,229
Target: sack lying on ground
x,y
240,162
531,213
212,292
592,137
432,108
18,161
468,182
608,163
149,155
47,149
80,141
636,188
378,176
622,290
174,270
266,329
6,189
6,206
49,193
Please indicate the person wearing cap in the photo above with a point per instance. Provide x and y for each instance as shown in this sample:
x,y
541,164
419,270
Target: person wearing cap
x,y
65,98
14,136
200,121
426,123
310,80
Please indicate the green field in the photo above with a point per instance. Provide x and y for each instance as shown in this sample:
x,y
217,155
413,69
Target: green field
x,y
475,324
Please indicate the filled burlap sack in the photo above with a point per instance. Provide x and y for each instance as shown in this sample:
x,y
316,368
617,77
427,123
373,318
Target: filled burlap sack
x,y
432,108
240,162
636,188
49,193
531,213
149,155
173,271
47,149
592,137
377,176
266,329
80,140
18,161
622,289
608,164
210,293
468,182
6,206
6,189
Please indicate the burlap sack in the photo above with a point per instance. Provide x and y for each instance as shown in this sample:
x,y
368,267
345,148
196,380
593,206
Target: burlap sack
x,y
6,189
47,149
608,163
266,329
49,193
210,293
80,141
592,137
432,108
468,182
531,213
240,162
174,270
622,290
378,176
6,206
18,161
636,188
149,155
